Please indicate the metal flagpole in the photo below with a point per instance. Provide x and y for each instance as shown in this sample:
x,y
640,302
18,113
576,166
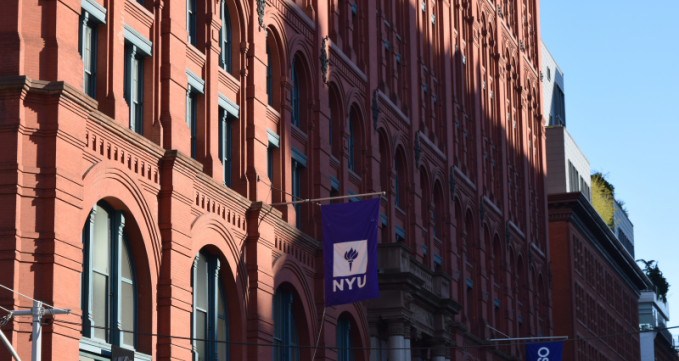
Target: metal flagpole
x,y
9,346
319,334
331,198
37,311
530,338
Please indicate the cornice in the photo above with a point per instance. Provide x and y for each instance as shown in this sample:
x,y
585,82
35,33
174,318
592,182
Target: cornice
x,y
597,232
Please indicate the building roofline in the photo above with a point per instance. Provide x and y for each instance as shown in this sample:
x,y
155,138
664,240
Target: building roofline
x,y
551,56
588,217
565,129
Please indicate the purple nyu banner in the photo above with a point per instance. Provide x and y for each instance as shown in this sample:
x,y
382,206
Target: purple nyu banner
x,y
350,251
546,351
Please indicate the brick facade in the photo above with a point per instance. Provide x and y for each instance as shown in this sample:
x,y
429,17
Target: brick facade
x,y
441,101
596,283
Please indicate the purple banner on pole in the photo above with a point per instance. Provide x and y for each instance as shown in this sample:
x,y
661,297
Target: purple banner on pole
x,y
350,251
546,351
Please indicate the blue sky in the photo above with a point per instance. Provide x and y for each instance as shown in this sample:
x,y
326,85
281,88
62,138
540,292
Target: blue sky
x,y
618,59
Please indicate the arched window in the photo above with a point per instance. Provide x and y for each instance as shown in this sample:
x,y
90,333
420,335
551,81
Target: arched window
x,y
269,79
397,184
210,317
295,94
225,39
437,220
343,339
352,162
400,181
285,329
109,295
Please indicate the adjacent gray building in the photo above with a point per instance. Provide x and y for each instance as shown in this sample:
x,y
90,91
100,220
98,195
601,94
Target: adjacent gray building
x,y
654,314
568,169
553,89
623,229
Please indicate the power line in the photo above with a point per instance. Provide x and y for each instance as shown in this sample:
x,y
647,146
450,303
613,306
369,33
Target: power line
x,y
357,348
32,299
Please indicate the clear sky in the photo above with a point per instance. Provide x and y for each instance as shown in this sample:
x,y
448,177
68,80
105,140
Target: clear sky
x,y
622,93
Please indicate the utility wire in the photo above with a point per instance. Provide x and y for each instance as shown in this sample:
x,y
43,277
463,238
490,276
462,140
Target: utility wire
x,y
32,299
360,348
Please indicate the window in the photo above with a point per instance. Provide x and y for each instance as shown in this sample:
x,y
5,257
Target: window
x,y
209,319
351,145
343,340
285,329
297,191
191,20
559,105
438,262
269,161
225,39
468,296
269,79
88,51
330,130
108,295
433,221
397,196
191,115
225,145
334,188
134,86
298,163
400,234
295,94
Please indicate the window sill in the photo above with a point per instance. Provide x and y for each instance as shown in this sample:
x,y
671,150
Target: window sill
x,y
101,348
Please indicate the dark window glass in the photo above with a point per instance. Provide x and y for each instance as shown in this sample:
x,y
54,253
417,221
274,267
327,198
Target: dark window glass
x,y
269,161
191,115
297,190
285,328
226,145
134,87
351,145
343,340
225,39
191,21
89,56
397,197
295,95
108,291
210,312
269,83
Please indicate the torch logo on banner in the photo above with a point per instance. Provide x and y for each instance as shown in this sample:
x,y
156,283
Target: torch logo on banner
x,y
350,256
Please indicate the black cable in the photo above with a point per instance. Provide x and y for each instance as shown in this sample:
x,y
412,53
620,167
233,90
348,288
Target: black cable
x,y
366,348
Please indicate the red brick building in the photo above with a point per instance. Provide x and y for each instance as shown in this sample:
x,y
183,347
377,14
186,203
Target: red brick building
x,y
143,143
596,283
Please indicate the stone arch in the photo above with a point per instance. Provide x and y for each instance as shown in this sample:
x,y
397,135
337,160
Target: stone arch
x,y
105,182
